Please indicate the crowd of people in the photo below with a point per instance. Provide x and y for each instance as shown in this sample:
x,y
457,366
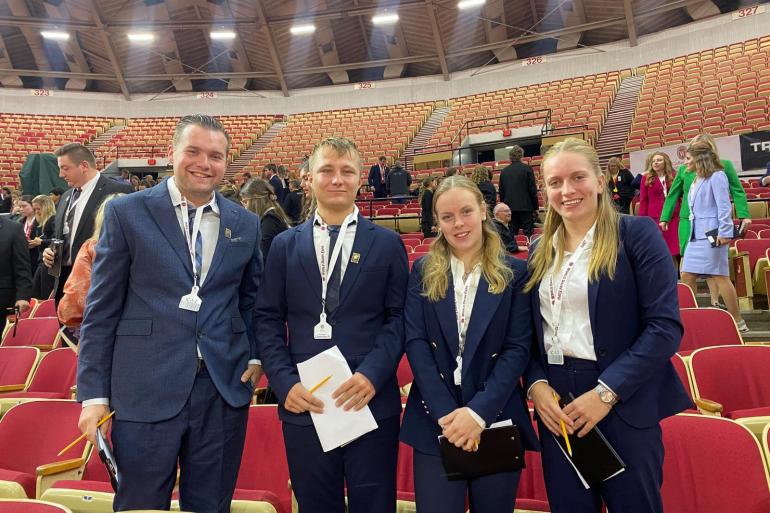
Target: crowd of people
x,y
183,292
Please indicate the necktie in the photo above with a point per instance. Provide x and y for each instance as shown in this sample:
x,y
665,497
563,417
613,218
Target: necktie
x,y
69,221
333,289
198,240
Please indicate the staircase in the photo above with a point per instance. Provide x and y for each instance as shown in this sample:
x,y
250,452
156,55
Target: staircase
x,y
425,134
105,137
614,135
249,153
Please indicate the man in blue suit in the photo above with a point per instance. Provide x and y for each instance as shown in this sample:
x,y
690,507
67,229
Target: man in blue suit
x,y
377,175
361,313
166,340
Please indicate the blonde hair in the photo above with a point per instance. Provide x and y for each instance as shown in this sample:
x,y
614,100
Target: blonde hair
x,y
259,196
480,174
707,138
436,268
704,158
341,146
604,254
47,208
650,174
614,161
99,218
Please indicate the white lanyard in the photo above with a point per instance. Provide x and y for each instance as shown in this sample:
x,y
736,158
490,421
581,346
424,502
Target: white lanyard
x,y
324,250
461,314
72,204
192,238
556,297
665,187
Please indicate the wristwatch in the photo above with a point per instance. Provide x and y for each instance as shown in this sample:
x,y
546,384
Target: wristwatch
x,y
606,395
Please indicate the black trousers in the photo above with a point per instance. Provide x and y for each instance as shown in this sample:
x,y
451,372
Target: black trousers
x,y
524,220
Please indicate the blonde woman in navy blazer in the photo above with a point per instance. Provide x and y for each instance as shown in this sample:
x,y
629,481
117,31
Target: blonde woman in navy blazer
x,y
614,323
491,329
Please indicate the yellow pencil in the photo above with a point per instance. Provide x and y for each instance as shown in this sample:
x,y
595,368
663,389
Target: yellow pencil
x,y
563,428
320,383
81,437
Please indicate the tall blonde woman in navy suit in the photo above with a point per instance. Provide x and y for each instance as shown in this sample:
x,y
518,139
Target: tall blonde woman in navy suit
x,y
607,323
468,338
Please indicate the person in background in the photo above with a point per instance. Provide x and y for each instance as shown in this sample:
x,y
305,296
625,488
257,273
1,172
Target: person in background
x,y
619,184
15,280
502,221
426,206
680,189
398,182
283,174
231,192
377,174
45,215
55,194
258,196
518,190
468,332
134,182
32,230
657,180
765,180
450,171
270,173
482,177
73,301
710,210
292,203
607,324
6,200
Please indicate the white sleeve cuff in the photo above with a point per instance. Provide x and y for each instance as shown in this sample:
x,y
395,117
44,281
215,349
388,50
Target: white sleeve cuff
x,y
476,417
254,361
98,400
529,390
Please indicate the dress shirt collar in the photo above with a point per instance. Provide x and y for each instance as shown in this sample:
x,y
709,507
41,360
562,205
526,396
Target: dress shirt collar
x,y
90,185
458,269
318,221
589,238
176,196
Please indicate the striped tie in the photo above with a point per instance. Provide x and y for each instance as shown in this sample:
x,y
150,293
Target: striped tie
x,y
198,239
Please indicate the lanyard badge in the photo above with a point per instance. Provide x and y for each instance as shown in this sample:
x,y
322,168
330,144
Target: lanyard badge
x,y
462,319
191,302
323,330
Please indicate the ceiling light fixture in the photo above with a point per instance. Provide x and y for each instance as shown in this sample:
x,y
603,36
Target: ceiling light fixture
x,y
307,28
222,35
55,35
468,4
385,19
141,37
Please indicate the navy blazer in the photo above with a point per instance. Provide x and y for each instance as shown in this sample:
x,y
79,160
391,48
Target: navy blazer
x,y
137,347
635,325
367,326
497,350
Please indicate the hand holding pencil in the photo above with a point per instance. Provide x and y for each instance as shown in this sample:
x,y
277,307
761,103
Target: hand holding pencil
x,y
85,425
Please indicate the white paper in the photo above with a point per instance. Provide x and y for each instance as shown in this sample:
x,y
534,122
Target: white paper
x,y
335,426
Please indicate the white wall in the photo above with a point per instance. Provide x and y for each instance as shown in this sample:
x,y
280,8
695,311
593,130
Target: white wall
x,y
690,38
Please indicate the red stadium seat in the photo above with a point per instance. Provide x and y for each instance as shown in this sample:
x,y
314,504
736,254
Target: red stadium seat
x,y
706,327
53,379
405,478
30,506
31,434
686,296
45,308
712,465
16,367
42,332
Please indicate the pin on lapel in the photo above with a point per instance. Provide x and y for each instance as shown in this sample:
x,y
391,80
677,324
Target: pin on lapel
x,y
355,258
228,233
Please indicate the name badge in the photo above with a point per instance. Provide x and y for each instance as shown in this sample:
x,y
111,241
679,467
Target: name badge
x,y
191,301
555,356
322,330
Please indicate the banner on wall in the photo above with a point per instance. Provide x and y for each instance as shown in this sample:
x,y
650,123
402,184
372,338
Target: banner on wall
x,y
729,149
755,150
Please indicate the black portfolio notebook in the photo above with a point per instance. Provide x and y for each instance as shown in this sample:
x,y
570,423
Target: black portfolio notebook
x,y
105,454
594,459
500,450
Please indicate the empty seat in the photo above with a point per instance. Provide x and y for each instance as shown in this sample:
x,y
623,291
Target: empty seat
x,y
53,379
41,332
704,327
30,506
686,296
16,367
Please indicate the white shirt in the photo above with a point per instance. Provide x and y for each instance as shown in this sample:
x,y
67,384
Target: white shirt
x,y
464,306
321,236
85,195
575,337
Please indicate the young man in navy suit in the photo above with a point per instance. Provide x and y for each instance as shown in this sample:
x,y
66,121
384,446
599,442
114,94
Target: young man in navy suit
x,y
362,314
166,339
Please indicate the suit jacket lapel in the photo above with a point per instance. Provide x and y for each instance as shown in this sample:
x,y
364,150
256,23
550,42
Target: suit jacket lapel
x,y
307,256
228,219
361,244
593,299
162,211
447,319
484,308
60,210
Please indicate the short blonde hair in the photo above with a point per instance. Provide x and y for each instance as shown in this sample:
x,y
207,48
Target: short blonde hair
x,y
341,146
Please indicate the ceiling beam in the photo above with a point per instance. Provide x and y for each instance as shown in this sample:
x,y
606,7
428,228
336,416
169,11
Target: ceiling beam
x,y
629,12
264,26
439,43
98,18
533,10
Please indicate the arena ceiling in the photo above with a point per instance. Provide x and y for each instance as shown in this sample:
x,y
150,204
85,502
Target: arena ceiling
x,y
431,37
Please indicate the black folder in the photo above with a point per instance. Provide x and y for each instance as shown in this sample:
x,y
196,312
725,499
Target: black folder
x,y
105,454
593,457
500,450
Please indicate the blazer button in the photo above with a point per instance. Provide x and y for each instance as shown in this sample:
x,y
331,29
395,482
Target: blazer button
x,y
433,345
441,374
494,355
602,352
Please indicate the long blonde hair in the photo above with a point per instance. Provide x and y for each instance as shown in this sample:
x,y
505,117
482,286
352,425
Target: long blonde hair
x,y
47,208
651,175
436,269
258,196
705,159
604,253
